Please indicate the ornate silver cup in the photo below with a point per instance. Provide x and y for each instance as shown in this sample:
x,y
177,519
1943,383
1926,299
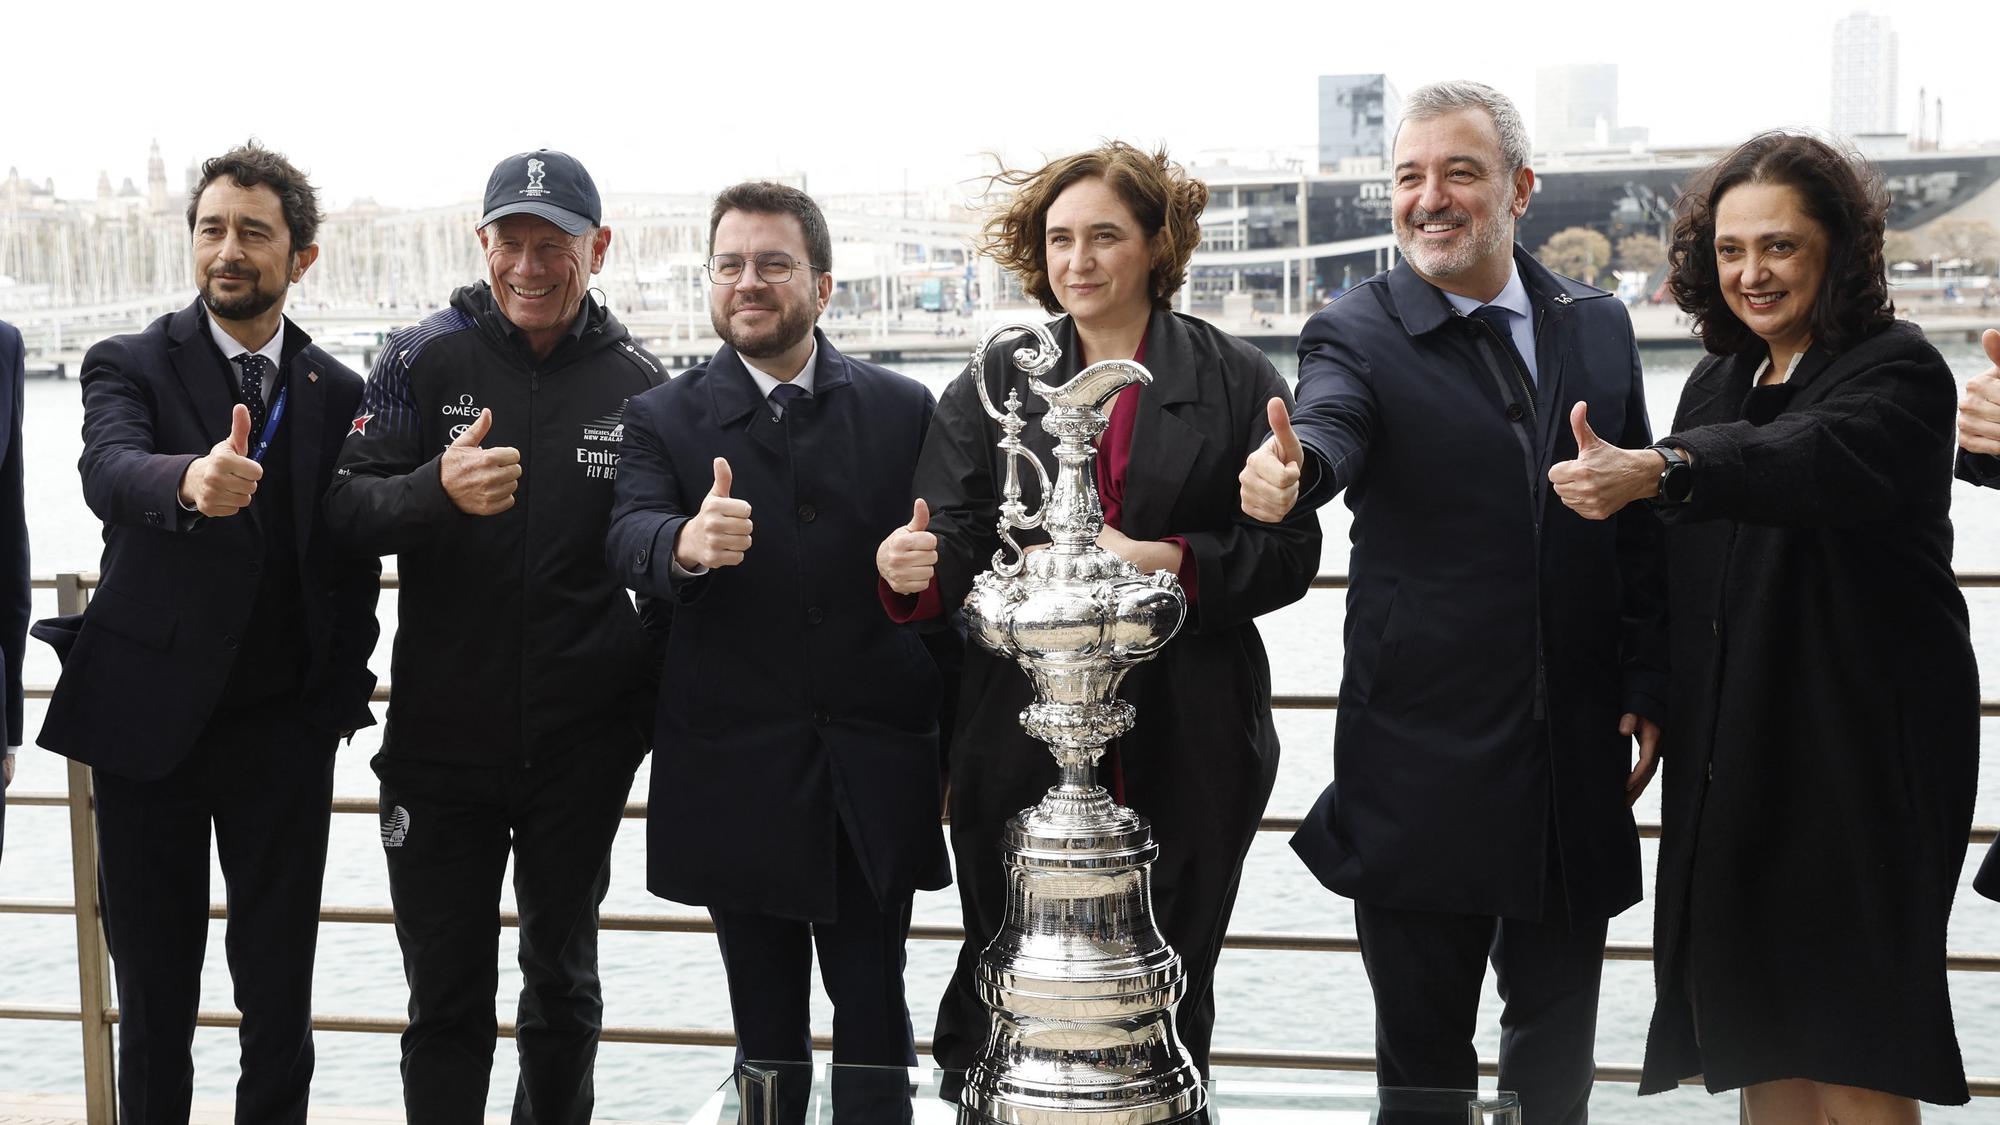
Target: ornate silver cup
x,y
1080,984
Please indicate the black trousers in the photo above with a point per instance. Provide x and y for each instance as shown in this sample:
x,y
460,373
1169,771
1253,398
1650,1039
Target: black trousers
x,y
768,961
264,781
447,831
1427,970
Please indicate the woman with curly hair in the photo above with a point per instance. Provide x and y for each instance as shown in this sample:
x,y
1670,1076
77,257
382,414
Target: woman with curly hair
x,y
1103,237
1822,751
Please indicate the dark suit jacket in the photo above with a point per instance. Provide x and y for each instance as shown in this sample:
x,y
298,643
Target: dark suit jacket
x,y
1493,636
160,636
14,608
790,705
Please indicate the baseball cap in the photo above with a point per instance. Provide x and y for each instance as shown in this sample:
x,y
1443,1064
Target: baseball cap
x,y
547,183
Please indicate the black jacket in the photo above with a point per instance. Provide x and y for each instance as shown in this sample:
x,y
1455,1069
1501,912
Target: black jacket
x,y
159,641
1823,744
1493,636
514,639
1983,469
792,706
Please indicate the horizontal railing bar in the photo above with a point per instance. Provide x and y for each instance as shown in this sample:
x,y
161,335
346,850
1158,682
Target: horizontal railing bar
x,y
1360,1061
636,810
659,923
1972,579
1288,701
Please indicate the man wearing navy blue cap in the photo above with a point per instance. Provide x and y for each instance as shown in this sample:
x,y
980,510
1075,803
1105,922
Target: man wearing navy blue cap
x,y
483,457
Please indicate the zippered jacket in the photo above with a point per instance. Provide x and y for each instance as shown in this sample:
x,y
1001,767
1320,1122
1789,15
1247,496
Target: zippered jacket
x,y
514,639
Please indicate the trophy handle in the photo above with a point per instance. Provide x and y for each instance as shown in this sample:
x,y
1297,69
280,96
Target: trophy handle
x,y
1037,360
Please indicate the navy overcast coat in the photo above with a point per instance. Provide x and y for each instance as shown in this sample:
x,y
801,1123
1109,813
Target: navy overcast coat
x,y
1493,636
161,633
790,704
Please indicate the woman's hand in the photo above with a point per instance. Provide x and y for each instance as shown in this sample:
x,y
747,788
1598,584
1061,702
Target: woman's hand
x,y
1146,554
1603,478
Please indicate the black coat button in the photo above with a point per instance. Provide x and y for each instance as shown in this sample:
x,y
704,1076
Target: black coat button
x,y
1514,412
640,562
820,717
229,644
807,513
256,568
814,615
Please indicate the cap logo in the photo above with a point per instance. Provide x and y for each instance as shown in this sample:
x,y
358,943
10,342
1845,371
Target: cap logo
x,y
534,187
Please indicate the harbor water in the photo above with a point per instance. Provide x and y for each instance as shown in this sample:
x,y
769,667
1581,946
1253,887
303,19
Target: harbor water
x,y
1277,1000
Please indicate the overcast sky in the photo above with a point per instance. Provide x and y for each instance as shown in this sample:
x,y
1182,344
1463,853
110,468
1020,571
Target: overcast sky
x,y
412,104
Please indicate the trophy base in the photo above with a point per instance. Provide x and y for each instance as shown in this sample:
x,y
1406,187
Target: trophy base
x,y
1056,1076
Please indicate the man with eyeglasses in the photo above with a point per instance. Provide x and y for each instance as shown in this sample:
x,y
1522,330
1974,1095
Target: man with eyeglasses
x,y
483,456
796,722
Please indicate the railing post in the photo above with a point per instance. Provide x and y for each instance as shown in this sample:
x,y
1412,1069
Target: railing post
x,y
93,967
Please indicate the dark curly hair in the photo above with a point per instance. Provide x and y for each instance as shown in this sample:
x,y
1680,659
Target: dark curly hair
x,y
250,164
1167,202
1840,191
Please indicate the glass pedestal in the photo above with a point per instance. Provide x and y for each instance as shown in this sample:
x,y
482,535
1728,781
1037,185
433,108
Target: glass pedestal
x,y
825,1094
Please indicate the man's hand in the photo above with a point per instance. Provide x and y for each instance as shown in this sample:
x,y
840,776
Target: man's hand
x,y
1979,410
1648,731
222,483
6,770
480,482
720,532
1603,478
1268,486
907,559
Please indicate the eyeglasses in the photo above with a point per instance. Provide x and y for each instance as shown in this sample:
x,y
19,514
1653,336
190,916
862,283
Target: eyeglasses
x,y
774,267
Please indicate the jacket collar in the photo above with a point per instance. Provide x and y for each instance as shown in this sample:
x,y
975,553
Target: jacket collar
x,y
1422,307
735,395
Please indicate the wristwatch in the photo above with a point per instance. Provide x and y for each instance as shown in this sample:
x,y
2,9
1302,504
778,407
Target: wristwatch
x,y
1676,479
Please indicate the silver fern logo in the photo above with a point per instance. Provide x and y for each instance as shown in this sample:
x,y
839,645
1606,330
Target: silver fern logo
x,y
395,827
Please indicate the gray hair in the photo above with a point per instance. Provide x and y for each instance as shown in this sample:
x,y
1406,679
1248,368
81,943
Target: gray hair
x,y
1440,98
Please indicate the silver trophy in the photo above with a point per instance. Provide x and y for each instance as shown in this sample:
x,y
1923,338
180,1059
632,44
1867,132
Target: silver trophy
x,y
1080,984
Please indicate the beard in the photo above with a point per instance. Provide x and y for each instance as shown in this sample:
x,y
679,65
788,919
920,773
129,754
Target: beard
x,y
1481,241
794,323
249,306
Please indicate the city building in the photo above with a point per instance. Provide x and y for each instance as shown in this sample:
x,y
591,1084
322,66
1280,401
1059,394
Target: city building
x,y
1357,121
1864,76
1576,110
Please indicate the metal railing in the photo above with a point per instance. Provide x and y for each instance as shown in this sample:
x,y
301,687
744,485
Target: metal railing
x,y
97,1013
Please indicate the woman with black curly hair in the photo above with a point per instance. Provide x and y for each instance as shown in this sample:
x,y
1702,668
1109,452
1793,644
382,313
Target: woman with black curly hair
x,y
1822,746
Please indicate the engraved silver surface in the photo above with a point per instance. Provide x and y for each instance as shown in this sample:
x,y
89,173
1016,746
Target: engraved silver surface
x,y
1079,982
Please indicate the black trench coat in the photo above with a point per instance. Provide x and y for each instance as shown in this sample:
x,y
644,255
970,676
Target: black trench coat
x,y
1823,742
790,707
1983,469
1201,760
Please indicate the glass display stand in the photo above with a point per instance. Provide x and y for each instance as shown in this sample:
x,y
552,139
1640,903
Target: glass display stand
x,y
825,1094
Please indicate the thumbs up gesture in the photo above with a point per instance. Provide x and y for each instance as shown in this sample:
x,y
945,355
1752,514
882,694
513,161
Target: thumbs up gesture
x,y
1979,410
1268,486
222,483
1603,478
720,532
907,559
480,482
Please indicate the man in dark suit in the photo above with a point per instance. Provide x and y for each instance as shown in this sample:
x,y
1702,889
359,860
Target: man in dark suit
x,y
14,592
226,648
1500,649
796,767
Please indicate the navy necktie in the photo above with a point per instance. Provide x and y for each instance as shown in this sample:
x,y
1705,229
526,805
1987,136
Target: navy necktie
x,y
255,368
1501,322
782,395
